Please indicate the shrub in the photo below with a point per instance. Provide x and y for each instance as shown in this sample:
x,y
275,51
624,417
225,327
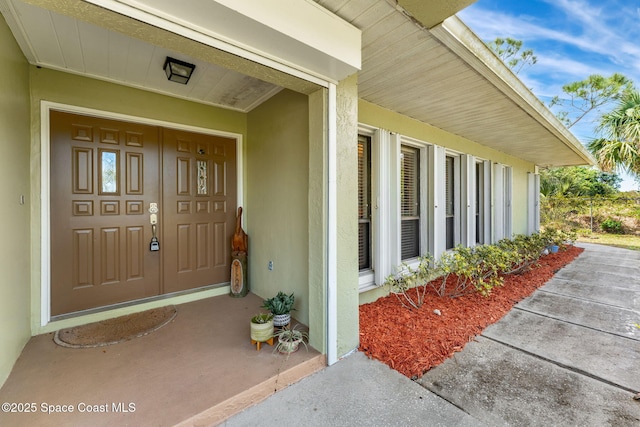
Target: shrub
x,y
464,270
407,278
612,226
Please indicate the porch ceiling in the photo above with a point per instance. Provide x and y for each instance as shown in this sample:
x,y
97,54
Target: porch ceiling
x,y
442,75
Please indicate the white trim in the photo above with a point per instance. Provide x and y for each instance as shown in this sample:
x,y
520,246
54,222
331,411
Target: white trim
x,y
437,224
45,170
332,228
498,203
381,193
468,199
508,193
533,195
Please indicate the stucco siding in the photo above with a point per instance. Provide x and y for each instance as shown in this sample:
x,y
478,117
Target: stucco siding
x,y
14,209
277,204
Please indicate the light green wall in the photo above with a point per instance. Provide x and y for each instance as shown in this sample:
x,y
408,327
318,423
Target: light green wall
x,y
347,200
69,89
379,117
277,198
318,219
15,330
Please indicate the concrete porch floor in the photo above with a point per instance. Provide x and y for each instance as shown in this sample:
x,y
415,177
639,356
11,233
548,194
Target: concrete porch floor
x,y
197,370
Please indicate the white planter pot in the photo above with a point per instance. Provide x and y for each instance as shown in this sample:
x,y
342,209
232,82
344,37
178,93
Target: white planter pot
x,y
280,320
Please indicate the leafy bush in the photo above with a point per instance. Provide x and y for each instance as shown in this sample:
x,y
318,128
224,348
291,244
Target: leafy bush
x,y
476,269
407,278
612,226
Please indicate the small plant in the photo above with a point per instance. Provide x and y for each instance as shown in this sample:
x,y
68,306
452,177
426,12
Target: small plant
x,y
262,318
289,339
280,304
409,285
612,226
472,269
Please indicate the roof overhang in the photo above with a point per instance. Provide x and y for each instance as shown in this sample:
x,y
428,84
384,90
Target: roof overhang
x,y
444,75
297,40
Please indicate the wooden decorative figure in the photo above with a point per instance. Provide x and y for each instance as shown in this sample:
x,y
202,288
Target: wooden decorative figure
x,y
239,247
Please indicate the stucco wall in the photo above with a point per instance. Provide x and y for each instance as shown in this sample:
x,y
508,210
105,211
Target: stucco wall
x,y
64,88
277,198
347,199
14,216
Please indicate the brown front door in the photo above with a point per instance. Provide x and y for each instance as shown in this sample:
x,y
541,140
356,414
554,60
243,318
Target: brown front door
x,y
199,206
105,174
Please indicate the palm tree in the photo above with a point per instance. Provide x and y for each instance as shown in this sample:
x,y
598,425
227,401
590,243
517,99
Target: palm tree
x,y
619,144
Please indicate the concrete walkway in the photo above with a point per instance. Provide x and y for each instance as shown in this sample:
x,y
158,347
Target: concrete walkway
x,y
569,355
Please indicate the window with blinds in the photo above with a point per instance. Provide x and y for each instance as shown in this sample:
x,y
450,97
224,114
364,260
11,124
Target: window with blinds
x,y
479,208
410,201
364,202
449,201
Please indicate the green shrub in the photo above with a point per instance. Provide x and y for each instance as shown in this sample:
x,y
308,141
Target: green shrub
x,y
612,226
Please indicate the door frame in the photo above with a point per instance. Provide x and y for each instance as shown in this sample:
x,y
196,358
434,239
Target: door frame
x,y
45,173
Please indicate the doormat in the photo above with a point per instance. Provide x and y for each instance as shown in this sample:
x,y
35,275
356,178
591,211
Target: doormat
x,y
113,331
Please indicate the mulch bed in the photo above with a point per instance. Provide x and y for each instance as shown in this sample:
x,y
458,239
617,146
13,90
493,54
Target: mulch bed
x,y
412,341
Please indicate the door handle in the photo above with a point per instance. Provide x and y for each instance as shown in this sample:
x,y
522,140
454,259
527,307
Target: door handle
x,y
153,219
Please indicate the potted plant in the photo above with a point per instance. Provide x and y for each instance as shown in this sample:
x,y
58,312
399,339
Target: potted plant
x,y
280,306
289,340
262,329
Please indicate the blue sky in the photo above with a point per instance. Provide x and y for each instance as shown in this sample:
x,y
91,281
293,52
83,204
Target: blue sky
x,y
572,39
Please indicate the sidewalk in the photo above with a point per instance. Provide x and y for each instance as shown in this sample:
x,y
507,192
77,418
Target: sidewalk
x,y
568,355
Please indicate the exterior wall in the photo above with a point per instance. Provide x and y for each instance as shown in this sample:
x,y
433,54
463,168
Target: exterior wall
x,y
64,88
317,203
14,214
277,198
347,196
377,117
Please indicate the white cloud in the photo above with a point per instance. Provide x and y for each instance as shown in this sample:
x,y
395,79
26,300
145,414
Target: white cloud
x,y
607,33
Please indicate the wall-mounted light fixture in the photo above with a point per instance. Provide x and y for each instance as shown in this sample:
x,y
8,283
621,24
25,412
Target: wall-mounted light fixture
x,y
178,71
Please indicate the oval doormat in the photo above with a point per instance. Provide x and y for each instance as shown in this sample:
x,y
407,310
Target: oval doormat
x,y
113,331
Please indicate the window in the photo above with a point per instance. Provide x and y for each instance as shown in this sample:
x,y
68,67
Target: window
x,y
364,202
410,202
450,198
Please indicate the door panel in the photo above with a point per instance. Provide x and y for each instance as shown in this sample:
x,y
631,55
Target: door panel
x,y
104,175
199,208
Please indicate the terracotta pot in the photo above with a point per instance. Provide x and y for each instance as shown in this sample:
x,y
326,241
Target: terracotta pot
x,y
261,332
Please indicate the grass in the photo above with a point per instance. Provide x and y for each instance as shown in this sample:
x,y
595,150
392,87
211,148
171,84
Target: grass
x,y
627,241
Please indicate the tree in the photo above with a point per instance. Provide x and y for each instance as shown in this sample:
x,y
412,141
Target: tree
x,y
618,147
575,181
587,95
509,50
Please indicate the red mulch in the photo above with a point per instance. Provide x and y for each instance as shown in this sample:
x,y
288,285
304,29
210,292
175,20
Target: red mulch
x,y
412,341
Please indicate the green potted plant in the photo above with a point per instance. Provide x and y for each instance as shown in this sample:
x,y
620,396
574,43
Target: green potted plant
x,y
289,340
280,306
262,329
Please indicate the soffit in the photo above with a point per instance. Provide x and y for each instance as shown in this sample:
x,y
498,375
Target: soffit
x,y
448,78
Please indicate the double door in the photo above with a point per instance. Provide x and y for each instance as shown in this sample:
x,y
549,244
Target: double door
x,y
116,185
